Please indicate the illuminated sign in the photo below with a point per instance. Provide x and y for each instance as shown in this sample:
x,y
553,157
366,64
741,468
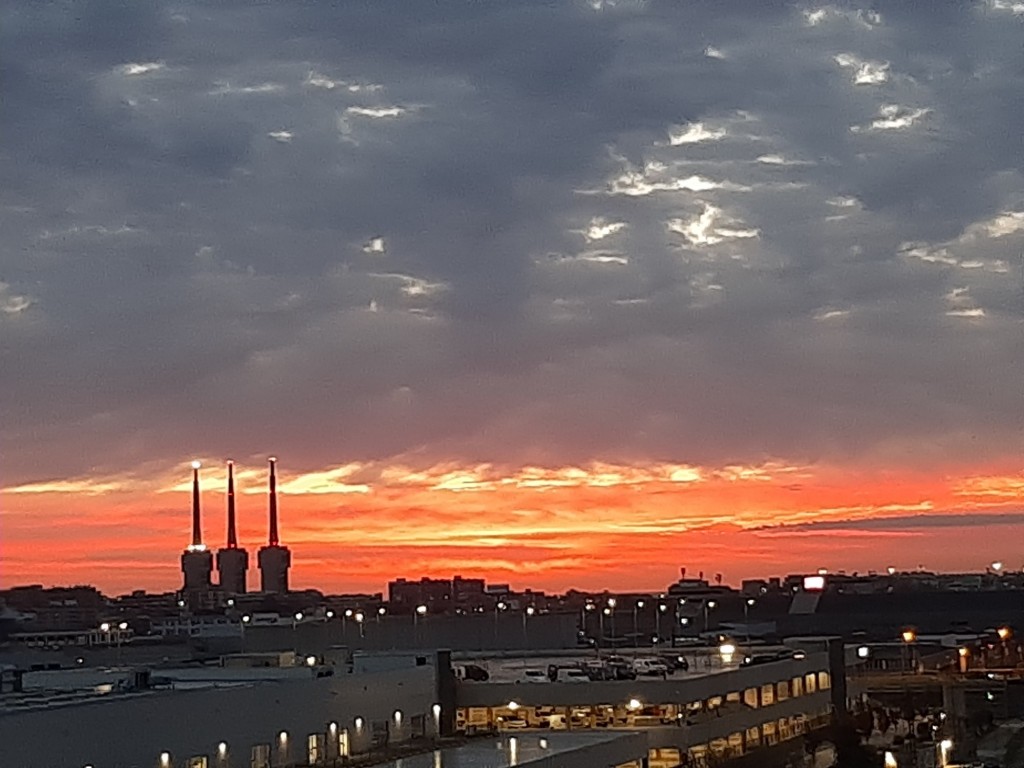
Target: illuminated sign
x,y
814,583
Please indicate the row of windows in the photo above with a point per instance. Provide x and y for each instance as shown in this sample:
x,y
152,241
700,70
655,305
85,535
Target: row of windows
x,y
740,743
318,749
770,693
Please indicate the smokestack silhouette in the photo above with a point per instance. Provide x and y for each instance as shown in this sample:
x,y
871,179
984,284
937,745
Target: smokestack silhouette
x,y
197,534
274,560
232,536
273,502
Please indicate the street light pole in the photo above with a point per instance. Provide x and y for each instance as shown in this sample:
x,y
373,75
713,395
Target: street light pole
x,y
530,610
657,619
747,605
612,602
708,605
636,635
421,610
498,606
121,628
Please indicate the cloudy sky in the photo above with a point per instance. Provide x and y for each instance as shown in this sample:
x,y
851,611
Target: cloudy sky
x,y
563,293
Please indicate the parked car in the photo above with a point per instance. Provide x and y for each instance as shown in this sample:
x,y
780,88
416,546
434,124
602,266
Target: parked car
x,y
470,672
675,661
533,676
595,669
650,667
752,660
572,676
567,673
620,669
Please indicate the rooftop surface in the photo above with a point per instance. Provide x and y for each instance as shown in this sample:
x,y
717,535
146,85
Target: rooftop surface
x,y
510,751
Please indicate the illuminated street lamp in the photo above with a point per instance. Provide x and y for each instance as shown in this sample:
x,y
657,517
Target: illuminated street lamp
x,y
964,658
657,619
726,651
530,610
330,614
633,705
1004,633
909,637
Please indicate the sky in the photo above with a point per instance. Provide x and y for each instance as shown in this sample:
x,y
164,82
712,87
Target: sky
x,y
563,294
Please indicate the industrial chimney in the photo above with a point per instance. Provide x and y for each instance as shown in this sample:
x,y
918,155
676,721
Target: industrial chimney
x,y
232,562
274,559
196,560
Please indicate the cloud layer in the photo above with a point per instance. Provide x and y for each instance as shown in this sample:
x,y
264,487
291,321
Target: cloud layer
x,y
527,235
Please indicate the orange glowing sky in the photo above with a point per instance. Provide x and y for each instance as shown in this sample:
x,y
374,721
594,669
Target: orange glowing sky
x,y
482,272
354,527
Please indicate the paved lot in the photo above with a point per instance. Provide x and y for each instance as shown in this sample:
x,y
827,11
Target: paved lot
x,y
702,661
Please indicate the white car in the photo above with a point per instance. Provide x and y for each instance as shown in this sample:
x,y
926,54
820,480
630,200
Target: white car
x,y
534,676
650,667
573,676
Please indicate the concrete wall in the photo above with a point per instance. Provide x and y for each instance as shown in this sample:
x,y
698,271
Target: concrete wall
x,y
475,632
130,731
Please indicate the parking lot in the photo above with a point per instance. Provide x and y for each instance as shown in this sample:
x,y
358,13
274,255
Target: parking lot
x,y
700,662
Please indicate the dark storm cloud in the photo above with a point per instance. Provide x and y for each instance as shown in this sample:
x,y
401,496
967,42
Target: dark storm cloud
x,y
509,232
903,523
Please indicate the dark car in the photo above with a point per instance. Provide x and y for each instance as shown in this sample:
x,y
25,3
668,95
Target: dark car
x,y
768,658
620,668
675,661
